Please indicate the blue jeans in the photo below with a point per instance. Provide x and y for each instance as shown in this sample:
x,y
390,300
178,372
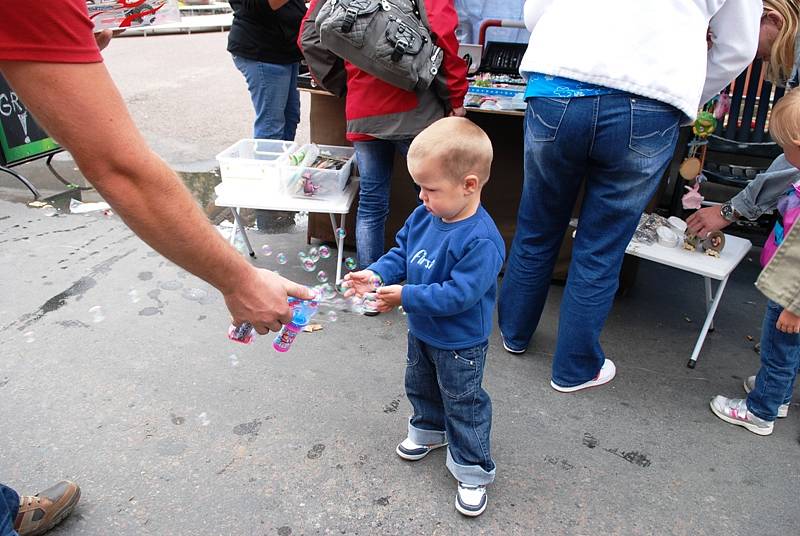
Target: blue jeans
x,y
618,147
449,403
375,160
780,362
9,505
273,90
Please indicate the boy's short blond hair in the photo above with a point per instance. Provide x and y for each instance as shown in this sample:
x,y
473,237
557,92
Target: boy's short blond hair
x,y
784,123
459,147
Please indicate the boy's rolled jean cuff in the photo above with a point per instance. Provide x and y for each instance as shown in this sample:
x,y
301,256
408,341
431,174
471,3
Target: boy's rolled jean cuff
x,y
425,437
472,475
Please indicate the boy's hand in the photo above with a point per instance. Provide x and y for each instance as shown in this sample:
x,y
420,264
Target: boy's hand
x,y
360,283
389,297
788,322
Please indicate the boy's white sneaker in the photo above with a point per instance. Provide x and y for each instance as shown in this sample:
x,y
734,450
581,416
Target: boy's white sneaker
x,y
750,384
408,450
606,374
471,500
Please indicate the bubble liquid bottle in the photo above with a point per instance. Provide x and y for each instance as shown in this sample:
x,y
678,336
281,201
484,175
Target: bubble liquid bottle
x,y
302,312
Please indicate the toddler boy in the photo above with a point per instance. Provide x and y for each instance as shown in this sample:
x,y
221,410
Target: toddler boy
x,y
449,253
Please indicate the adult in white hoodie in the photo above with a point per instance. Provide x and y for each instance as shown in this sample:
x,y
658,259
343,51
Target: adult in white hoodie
x,y
608,84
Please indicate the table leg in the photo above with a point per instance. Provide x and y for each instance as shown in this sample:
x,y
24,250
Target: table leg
x,y
339,246
709,299
239,228
707,324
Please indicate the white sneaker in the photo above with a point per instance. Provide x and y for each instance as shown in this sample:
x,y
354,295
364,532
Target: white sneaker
x,y
606,374
408,450
471,500
509,349
750,384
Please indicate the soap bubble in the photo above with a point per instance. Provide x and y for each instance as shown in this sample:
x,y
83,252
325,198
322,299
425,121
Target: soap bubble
x,y
133,294
309,265
266,250
324,252
302,256
375,281
49,211
403,311
342,286
194,294
313,254
97,314
281,258
351,263
234,360
332,316
322,276
327,292
357,305
171,285
203,419
340,233
29,336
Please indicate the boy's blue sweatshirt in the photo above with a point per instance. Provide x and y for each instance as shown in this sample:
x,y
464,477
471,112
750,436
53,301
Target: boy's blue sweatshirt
x,y
451,272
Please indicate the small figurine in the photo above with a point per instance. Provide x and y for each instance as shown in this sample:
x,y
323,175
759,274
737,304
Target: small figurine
x,y
704,125
692,199
714,243
690,241
309,188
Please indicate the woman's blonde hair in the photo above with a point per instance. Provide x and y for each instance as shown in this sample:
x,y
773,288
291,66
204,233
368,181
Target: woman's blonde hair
x,y
781,62
784,122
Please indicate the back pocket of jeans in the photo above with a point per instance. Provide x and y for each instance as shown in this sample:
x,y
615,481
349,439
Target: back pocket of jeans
x,y
545,117
654,126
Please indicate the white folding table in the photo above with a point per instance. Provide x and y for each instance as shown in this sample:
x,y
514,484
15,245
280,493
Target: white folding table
x,y
236,197
704,265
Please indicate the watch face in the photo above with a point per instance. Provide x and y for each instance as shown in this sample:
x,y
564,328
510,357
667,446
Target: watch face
x,y
727,212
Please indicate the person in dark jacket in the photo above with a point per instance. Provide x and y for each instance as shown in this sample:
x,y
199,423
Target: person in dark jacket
x,y
263,42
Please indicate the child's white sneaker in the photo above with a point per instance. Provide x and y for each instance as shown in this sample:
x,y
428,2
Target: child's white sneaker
x,y
408,450
606,374
750,384
734,411
471,500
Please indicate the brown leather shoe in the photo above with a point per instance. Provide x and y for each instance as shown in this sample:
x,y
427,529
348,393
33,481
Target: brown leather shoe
x,y
43,511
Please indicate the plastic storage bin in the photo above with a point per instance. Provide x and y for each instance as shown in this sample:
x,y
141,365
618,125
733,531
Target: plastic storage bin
x,y
255,164
309,182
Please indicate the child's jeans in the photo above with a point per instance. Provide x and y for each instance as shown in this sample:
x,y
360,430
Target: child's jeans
x,y
780,360
444,388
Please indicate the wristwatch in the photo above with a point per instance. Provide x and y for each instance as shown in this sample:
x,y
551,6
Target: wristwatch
x,y
727,211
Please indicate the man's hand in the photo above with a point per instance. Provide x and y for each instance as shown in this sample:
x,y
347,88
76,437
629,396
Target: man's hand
x,y
103,37
458,112
389,297
788,322
706,220
360,283
261,300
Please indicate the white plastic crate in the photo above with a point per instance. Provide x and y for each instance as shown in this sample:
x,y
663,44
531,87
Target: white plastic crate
x,y
305,181
255,160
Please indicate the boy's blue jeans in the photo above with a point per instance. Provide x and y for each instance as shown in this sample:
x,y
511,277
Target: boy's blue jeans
x,y
449,403
9,505
780,362
375,160
273,90
618,147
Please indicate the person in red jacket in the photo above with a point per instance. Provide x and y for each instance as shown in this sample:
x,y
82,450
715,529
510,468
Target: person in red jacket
x,y
382,118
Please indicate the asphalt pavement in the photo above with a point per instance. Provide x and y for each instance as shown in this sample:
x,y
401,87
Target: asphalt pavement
x,y
116,373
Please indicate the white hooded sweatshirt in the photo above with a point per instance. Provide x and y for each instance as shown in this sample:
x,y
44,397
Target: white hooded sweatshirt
x,y
652,48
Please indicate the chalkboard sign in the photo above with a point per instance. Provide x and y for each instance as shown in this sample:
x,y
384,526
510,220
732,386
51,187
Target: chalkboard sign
x,y
21,139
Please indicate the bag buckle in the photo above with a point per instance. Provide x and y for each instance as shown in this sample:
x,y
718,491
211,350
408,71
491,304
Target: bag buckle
x,y
399,49
349,19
